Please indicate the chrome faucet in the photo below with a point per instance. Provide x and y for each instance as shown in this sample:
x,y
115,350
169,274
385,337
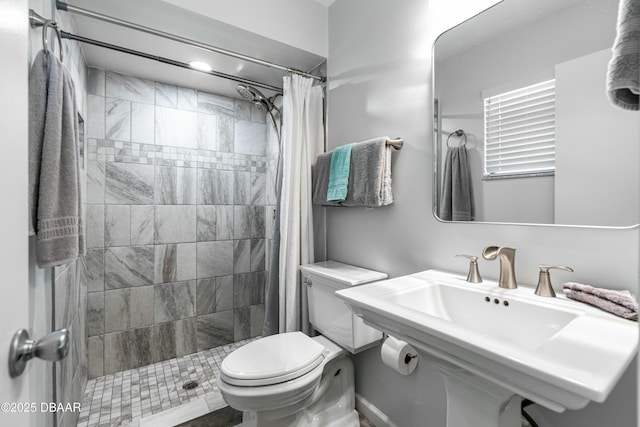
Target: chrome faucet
x,y
507,258
544,288
474,273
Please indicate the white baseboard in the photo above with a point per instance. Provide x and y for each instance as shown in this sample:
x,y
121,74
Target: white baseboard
x,y
372,413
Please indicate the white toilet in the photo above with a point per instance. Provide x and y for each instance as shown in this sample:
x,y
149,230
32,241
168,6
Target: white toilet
x,y
290,379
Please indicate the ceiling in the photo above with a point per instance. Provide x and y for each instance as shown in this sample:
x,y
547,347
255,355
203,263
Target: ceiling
x,y
495,21
325,2
172,19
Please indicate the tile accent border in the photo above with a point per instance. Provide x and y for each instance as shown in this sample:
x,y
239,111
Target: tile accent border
x,y
102,150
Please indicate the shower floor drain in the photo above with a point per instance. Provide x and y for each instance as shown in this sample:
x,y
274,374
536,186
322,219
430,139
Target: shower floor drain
x,y
190,385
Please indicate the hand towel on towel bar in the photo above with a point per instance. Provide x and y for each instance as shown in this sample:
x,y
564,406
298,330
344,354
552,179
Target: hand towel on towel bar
x,y
339,173
369,178
54,174
620,303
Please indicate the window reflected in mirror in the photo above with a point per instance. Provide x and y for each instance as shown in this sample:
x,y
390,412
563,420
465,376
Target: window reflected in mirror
x,y
556,153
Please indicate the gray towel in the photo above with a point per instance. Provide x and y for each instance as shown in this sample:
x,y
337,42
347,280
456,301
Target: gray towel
x,y
620,303
369,177
458,203
54,169
623,77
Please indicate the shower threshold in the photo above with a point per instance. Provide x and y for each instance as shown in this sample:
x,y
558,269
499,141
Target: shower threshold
x,y
168,393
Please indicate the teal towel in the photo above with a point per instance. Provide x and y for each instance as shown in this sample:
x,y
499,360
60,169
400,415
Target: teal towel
x,y
339,174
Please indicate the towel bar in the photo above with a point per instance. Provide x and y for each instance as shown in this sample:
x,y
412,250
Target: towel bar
x,y
396,143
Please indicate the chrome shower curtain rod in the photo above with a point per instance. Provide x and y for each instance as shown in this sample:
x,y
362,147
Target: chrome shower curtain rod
x,y
37,21
90,14
66,35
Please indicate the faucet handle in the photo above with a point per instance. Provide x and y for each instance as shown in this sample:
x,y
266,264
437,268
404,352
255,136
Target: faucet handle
x,y
474,273
544,288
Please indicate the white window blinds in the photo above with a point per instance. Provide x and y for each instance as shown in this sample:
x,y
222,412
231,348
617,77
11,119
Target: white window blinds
x,y
520,131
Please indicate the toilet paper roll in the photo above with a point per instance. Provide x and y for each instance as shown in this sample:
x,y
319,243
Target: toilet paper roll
x,y
398,355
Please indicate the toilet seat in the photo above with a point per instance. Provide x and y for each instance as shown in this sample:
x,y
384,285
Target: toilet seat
x,y
272,360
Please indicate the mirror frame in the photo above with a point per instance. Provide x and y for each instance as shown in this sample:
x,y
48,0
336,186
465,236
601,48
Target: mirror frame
x,y
436,153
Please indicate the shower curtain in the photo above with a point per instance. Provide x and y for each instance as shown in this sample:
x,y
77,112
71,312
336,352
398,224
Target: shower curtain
x,y
302,142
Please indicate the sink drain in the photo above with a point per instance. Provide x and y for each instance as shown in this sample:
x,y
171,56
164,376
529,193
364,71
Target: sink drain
x,y
190,385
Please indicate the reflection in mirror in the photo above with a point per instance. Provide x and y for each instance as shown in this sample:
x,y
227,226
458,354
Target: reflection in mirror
x,y
526,82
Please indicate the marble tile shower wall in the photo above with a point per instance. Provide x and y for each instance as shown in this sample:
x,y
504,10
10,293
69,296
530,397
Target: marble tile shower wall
x,y
175,221
70,281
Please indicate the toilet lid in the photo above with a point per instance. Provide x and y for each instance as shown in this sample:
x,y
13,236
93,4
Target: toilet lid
x,y
272,360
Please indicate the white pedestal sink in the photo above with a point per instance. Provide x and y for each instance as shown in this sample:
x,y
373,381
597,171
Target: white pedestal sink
x,y
496,346
475,402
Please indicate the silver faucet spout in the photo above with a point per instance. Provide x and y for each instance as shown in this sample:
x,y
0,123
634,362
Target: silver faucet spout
x,y
507,257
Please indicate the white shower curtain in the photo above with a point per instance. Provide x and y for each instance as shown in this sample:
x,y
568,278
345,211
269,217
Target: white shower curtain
x,y
302,142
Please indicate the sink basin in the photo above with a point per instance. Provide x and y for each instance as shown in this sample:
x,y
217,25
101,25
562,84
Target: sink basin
x,y
554,351
489,314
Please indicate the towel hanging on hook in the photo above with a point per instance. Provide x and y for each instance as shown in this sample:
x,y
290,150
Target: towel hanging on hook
x,y
45,42
457,201
458,133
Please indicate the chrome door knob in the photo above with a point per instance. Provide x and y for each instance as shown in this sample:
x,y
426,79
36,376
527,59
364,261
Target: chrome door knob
x,y
52,347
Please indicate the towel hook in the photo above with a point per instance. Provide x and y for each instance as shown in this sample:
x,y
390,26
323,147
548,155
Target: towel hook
x,y
45,43
458,133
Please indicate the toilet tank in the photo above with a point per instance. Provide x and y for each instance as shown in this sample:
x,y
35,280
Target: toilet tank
x,y
328,314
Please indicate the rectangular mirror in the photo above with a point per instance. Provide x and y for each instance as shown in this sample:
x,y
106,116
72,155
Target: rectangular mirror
x,y
522,86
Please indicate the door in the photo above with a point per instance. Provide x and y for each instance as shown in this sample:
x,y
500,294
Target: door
x,y
22,303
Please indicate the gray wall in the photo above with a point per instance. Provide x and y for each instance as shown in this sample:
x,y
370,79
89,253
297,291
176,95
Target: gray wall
x,y
175,221
379,84
607,177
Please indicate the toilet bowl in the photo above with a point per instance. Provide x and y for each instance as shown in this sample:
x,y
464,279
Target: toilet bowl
x,y
292,380
288,387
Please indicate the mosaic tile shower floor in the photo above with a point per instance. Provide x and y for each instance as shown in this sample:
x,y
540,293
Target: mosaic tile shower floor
x,y
126,398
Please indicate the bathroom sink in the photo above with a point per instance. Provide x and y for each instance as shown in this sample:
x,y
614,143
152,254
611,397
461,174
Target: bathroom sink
x,y
487,314
554,351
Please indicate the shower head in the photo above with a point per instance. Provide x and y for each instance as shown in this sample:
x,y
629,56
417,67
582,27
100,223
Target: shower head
x,y
250,93
263,105
254,95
